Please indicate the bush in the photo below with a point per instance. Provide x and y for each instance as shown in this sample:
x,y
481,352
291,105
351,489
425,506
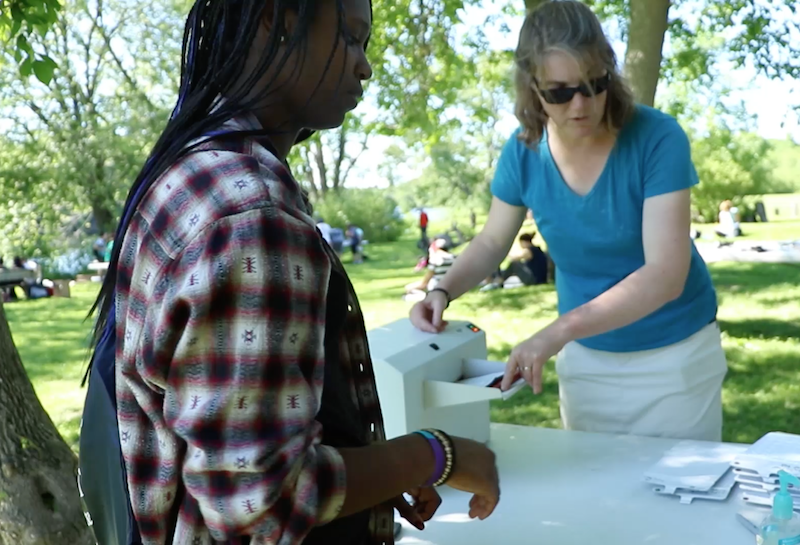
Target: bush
x,y
370,209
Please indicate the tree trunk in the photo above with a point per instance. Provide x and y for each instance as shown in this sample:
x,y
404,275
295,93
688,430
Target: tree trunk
x,y
646,31
340,155
39,499
102,216
322,170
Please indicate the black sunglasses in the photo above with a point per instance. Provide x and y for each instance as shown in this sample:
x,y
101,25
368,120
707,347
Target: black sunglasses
x,y
563,95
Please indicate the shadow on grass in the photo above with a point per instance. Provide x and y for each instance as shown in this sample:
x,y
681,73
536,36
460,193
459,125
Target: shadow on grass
x,y
758,371
747,278
526,298
761,328
771,302
761,393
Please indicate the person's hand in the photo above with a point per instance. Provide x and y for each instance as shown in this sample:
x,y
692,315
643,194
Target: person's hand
x,y
529,358
427,314
425,500
476,472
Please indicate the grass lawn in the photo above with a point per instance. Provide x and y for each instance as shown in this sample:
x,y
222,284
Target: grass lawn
x,y
778,230
759,316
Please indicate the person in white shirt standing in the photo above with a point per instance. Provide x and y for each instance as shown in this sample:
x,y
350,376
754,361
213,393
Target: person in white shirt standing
x,y
325,231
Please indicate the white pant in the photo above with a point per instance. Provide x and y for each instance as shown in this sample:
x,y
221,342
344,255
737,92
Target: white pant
x,y
675,391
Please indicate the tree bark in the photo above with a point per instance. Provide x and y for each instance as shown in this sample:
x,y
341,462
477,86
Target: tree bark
x,y
340,155
322,169
39,498
646,31
103,217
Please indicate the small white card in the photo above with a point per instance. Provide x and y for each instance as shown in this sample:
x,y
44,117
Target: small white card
x,y
484,373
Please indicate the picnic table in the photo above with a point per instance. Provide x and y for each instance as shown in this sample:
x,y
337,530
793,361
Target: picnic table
x,y
99,266
575,488
15,277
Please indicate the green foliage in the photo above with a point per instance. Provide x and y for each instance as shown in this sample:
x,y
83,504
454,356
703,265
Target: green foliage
x,y
460,165
452,178
370,209
416,67
30,210
76,144
785,159
730,166
732,161
703,32
417,74
19,21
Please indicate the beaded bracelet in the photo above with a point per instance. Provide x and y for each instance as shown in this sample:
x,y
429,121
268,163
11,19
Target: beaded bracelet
x,y
444,455
450,455
439,456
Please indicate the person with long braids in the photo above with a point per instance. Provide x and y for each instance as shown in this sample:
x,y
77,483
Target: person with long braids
x,y
245,395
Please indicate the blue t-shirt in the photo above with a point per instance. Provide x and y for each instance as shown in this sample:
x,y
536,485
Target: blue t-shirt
x,y
595,240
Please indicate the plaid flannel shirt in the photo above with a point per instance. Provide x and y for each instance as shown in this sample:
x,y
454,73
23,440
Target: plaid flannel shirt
x,y
220,305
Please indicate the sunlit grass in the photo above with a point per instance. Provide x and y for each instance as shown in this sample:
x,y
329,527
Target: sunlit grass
x,y
759,316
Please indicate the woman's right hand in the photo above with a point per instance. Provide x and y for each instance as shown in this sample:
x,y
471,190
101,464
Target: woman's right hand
x,y
427,314
476,472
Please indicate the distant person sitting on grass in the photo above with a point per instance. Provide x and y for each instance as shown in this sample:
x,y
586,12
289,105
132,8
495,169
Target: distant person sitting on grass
x,y
728,221
529,264
436,264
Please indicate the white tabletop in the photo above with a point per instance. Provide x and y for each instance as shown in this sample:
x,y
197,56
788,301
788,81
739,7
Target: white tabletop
x,y
571,488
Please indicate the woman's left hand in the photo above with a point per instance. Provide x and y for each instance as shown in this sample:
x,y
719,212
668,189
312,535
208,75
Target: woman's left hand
x,y
426,501
529,357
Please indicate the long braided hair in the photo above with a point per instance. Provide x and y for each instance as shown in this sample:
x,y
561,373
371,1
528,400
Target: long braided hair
x,y
216,42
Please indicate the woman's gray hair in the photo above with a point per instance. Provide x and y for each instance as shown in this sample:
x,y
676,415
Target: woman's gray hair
x,y
570,27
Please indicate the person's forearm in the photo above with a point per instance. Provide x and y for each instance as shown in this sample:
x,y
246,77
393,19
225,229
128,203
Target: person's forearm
x,y
479,260
639,295
383,471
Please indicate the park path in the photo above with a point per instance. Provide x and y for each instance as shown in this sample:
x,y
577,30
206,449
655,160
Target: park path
x,y
751,251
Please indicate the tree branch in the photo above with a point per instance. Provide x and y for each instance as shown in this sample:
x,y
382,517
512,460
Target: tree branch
x,y
125,74
56,84
319,158
352,161
337,166
44,118
74,88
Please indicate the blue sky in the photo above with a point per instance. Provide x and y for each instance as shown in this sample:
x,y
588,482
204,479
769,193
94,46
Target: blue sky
x,y
771,101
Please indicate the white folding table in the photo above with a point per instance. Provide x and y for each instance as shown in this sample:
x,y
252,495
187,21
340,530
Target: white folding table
x,y
572,488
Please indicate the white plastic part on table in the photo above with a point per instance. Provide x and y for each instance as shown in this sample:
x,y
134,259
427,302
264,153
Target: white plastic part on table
x,y
572,488
417,374
694,466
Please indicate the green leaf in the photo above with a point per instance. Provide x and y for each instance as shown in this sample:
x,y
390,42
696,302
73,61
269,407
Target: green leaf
x,y
17,14
26,68
44,69
23,45
15,28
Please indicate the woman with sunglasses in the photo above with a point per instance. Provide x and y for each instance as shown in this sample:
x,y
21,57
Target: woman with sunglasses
x,y
608,182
